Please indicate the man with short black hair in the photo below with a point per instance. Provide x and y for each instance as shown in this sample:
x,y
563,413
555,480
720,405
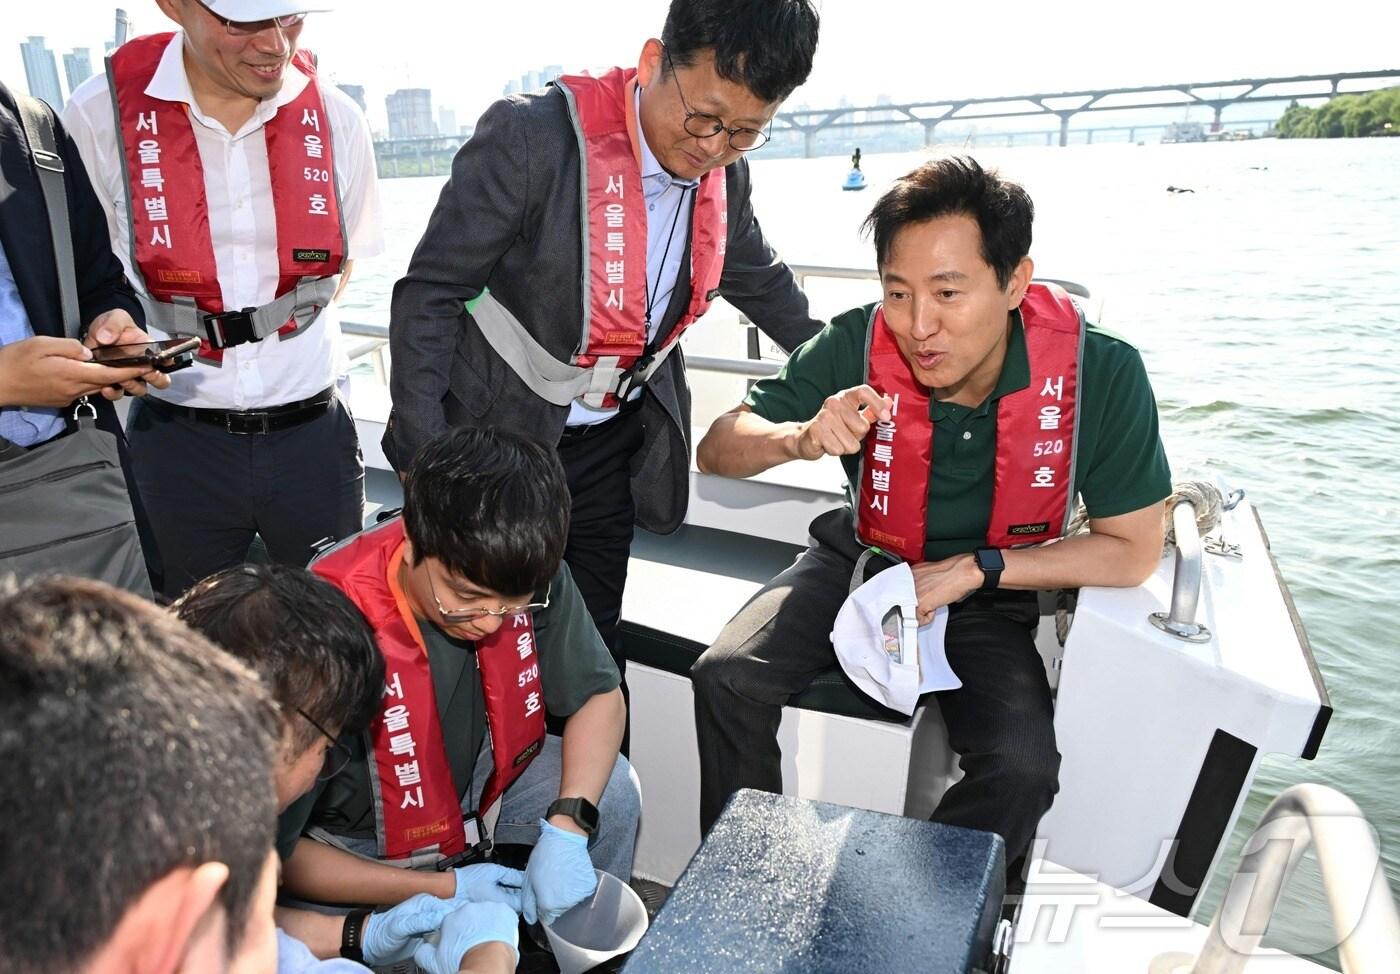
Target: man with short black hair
x,y
317,656
481,629
134,790
240,188
970,408
575,318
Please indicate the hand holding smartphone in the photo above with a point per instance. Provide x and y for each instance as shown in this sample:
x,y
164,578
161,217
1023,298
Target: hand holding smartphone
x,y
166,356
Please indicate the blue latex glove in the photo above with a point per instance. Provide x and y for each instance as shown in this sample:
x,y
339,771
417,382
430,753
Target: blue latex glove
x,y
469,925
558,876
488,882
394,934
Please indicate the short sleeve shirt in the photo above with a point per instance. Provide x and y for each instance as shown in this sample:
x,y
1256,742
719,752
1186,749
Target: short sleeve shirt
x,y
574,666
1121,465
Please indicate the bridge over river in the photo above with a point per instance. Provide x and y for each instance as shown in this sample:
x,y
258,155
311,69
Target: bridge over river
x,y
426,156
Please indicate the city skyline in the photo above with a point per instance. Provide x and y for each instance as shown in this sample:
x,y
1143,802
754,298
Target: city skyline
x,y
41,71
867,50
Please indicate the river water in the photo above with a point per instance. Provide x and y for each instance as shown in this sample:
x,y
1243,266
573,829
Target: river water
x,y
1265,306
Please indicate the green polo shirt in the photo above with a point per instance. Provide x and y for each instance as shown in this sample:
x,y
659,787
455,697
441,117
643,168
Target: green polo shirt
x,y
1121,464
574,666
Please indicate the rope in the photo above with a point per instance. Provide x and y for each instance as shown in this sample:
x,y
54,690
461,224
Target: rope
x,y
1204,497
1207,501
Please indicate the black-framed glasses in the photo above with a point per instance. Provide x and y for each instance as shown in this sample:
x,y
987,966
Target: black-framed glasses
x,y
703,125
247,28
470,615
337,755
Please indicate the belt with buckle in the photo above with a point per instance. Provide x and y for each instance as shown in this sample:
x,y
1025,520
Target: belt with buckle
x,y
572,433
250,422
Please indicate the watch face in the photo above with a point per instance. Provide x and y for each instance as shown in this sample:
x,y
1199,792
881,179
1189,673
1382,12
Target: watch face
x,y
990,560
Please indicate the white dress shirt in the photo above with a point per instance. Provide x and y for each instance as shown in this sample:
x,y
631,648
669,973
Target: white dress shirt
x,y
669,202
243,224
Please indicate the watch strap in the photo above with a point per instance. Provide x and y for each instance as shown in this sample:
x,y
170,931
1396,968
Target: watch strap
x,y
991,577
352,935
581,810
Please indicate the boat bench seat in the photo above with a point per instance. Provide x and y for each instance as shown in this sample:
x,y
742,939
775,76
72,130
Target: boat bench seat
x,y
681,590
832,692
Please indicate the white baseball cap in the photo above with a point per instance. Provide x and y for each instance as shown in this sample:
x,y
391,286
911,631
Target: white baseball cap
x,y
882,647
252,10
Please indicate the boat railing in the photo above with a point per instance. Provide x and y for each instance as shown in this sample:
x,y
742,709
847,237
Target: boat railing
x,y
1364,916
1186,583
371,338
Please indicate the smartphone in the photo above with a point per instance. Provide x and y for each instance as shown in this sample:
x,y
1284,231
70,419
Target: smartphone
x,y
163,356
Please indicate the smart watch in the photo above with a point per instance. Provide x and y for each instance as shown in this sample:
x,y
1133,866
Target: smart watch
x,y
581,810
352,935
992,563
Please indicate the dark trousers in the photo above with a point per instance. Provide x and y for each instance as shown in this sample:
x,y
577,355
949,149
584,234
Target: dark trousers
x,y
598,465
208,491
999,721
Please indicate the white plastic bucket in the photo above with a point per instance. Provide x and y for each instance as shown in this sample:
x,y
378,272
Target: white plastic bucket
x,y
611,922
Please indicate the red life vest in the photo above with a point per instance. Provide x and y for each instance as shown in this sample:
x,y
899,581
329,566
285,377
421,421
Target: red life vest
x,y
416,807
1033,494
171,245
615,228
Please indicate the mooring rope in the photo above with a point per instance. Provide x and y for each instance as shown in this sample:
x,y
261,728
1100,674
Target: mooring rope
x,y
1204,497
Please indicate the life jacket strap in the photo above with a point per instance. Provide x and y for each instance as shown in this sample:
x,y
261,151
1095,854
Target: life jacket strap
x,y
554,381
301,304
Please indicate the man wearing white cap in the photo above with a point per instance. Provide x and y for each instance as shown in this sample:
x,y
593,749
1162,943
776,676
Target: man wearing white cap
x,y
238,188
971,408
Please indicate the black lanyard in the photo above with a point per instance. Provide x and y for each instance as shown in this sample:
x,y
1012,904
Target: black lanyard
x,y
661,269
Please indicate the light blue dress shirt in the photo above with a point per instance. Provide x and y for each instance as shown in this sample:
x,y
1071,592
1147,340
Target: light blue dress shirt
x,y
24,426
294,957
668,221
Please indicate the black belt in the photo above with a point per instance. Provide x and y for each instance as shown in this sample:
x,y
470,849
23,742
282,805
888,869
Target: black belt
x,y
625,408
251,421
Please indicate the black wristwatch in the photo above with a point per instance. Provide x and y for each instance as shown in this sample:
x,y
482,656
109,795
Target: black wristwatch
x,y
581,810
992,563
352,935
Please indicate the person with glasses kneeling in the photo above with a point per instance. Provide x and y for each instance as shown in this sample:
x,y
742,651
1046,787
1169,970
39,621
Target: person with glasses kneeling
x,y
318,659
482,631
590,224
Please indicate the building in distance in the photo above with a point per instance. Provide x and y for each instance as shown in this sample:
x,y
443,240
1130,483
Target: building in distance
x,y
447,121
77,65
41,71
410,113
357,94
532,80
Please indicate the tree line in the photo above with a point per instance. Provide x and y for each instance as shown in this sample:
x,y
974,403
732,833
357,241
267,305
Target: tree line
x,y
1346,116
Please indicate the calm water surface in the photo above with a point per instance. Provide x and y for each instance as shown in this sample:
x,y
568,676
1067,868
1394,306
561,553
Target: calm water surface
x,y
1265,306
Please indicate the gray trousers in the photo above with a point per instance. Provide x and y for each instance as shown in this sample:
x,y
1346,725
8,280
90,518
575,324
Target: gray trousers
x,y
1000,721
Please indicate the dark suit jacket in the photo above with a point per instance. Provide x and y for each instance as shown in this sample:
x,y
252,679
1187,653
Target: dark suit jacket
x,y
24,230
508,219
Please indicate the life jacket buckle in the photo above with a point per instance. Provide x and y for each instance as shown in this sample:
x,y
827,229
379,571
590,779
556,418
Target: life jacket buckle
x,y
231,328
629,376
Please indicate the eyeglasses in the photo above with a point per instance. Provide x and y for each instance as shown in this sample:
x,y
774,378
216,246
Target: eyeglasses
x,y
703,125
337,755
247,28
469,615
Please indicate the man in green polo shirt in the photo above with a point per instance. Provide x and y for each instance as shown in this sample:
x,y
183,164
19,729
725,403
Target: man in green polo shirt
x,y
952,243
